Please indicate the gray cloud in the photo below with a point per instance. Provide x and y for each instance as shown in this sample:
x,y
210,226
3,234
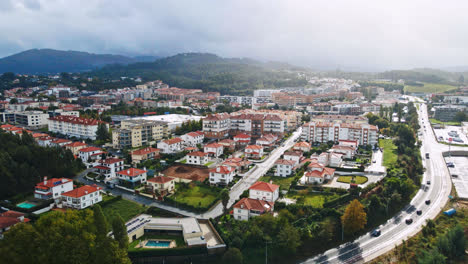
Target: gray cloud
x,y
358,34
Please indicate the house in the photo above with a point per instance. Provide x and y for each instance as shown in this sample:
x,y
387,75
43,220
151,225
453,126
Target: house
x,y
193,138
222,175
329,159
238,164
82,197
254,152
197,158
109,167
302,146
267,141
214,149
242,139
60,142
144,154
247,208
228,144
161,184
90,153
317,173
351,143
75,147
347,150
264,191
53,188
170,146
293,155
284,168
132,176
45,141
9,219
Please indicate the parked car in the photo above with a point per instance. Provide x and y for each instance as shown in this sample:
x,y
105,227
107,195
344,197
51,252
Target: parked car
x,y
419,212
428,202
454,175
428,182
409,221
375,232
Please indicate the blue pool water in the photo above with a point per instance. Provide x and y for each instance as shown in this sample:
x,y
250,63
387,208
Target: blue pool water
x,y
25,205
156,243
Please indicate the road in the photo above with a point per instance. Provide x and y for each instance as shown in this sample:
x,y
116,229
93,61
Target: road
x,y
395,230
234,193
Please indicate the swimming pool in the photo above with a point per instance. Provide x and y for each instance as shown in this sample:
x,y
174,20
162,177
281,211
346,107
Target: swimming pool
x,y
157,243
25,205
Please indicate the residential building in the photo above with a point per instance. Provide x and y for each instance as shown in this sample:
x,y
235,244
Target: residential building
x,y
170,146
59,142
132,176
315,132
144,154
214,149
447,113
267,140
26,119
302,146
192,139
75,147
45,141
222,175
138,132
162,185
347,151
82,197
264,191
52,188
89,153
317,174
75,126
284,168
242,139
254,152
294,156
228,144
216,126
109,167
247,208
197,158
239,164
9,219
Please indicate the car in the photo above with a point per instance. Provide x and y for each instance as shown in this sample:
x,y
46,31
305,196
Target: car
x,y
419,212
375,232
454,175
373,161
450,165
428,202
428,182
409,221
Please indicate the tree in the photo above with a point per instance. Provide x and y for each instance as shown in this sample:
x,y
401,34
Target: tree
x,y
460,116
288,239
120,232
13,101
354,217
225,198
431,257
100,220
102,133
232,256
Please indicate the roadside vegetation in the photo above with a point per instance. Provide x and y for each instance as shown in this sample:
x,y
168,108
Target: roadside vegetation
x,y
390,155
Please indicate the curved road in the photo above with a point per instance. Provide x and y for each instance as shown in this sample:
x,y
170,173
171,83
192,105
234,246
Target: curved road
x,y
395,230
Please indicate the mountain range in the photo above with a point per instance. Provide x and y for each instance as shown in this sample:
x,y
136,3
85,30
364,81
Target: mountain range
x,y
37,61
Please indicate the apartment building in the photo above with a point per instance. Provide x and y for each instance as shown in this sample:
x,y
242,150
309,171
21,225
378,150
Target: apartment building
x,y
447,113
138,132
322,132
216,126
73,126
26,119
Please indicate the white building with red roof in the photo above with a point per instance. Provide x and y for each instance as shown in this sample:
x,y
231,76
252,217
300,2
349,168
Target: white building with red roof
x,y
254,152
132,176
317,173
347,150
59,142
170,146
302,146
267,140
82,197
247,208
242,139
214,149
162,184
216,125
75,126
322,132
52,188
228,143
192,139
284,168
293,155
197,158
90,153
222,175
239,164
144,154
109,167
9,219
75,147
264,191
45,141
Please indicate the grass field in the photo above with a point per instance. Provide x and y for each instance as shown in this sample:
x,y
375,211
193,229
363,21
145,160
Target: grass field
x,y
389,156
196,196
435,121
357,179
312,199
283,182
429,88
125,208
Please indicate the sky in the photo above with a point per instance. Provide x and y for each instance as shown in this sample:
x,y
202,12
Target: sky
x,y
361,35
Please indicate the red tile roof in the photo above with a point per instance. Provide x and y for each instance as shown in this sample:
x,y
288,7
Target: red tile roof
x,y
197,154
76,120
253,204
76,144
60,140
10,218
222,170
111,161
161,179
195,134
53,182
145,151
242,135
172,141
132,172
89,149
254,147
214,145
264,186
82,191
101,167
285,162
293,153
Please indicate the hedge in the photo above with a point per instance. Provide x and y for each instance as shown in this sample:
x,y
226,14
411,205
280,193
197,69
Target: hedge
x,y
169,252
340,200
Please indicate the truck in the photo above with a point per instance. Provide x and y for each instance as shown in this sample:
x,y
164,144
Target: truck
x,y
427,155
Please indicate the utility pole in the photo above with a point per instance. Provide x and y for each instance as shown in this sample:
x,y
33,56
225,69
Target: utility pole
x,y
266,251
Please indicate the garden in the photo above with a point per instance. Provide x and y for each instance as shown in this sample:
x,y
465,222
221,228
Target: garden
x,y
194,196
116,205
352,179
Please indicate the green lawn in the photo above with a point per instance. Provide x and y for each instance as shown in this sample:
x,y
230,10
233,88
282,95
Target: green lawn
x,y
125,208
357,179
429,88
195,196
178,239
312,199
435,121
389,156
183,161
283,182
209,163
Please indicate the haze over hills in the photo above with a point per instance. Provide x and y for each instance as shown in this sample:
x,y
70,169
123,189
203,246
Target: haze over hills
x,y
36,61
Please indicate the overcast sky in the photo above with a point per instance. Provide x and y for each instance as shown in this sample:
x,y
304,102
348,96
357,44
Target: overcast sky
x,y
350,34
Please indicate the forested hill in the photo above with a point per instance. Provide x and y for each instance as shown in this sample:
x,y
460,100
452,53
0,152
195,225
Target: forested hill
x,y
209,72
39,61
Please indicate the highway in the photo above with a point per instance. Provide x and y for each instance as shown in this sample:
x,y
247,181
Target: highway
x,y
395,230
